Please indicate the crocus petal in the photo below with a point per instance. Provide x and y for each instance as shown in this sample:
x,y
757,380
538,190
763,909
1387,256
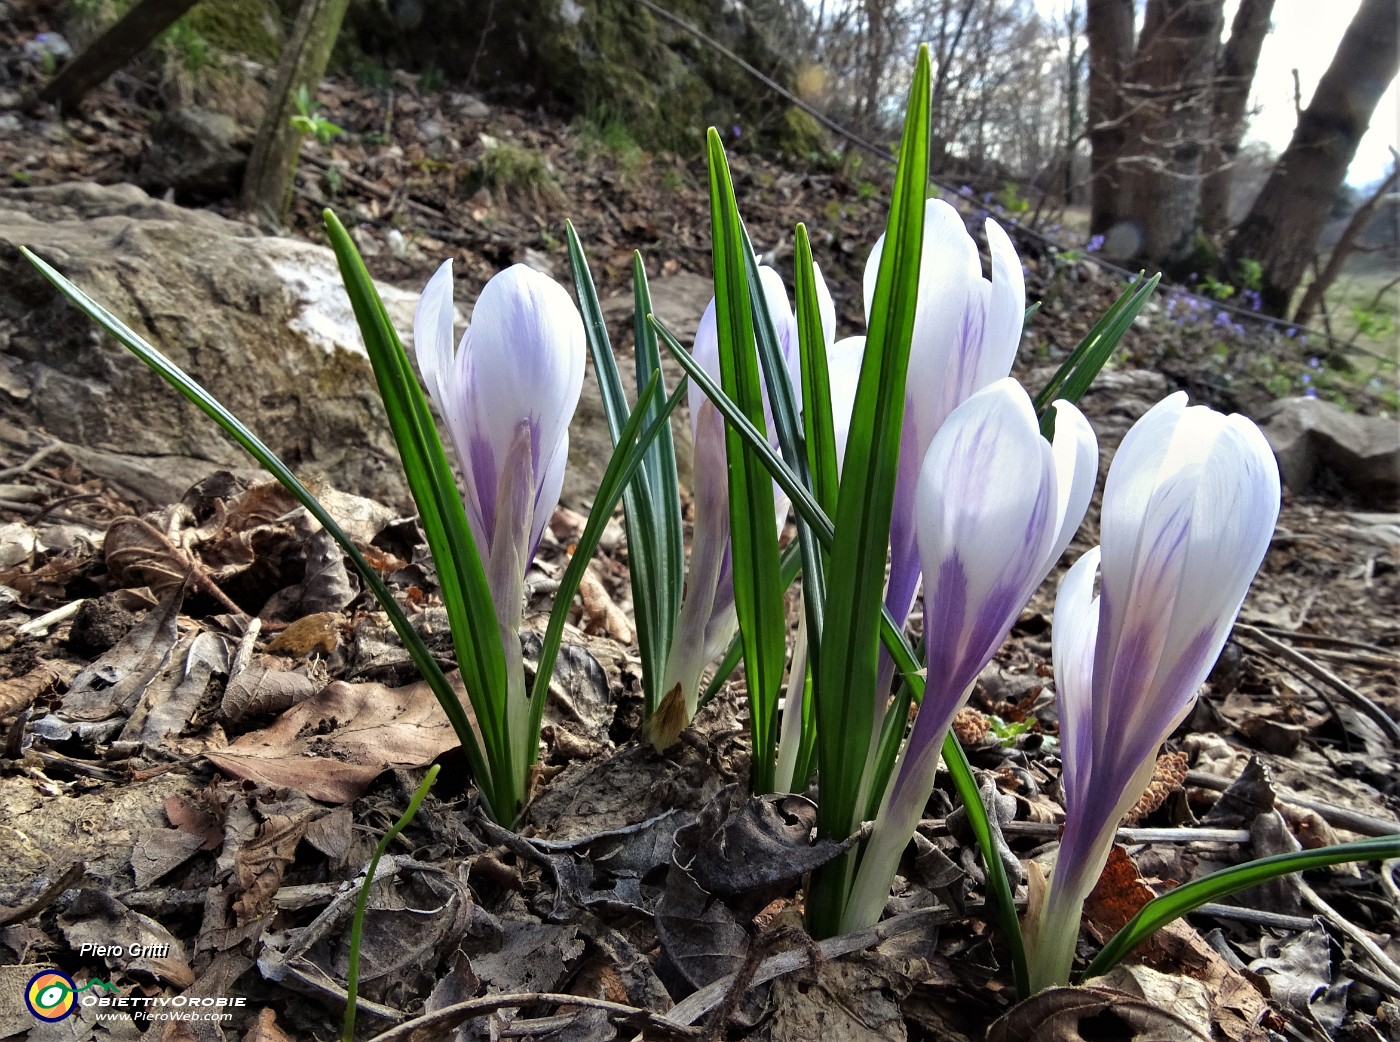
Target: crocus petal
x,y
826,307
521,360
1006,309
985,517
1073,635
1076,454
843,372
432,335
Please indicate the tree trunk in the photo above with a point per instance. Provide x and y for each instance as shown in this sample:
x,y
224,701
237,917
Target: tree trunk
x,y
1319,286
267,186
1109,24
1073,72
1233,82
1169,95
121,42
1283,226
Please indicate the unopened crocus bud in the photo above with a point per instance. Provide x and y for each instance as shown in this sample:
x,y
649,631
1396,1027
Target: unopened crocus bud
x,y
506,393
707,620
1188,512
966,331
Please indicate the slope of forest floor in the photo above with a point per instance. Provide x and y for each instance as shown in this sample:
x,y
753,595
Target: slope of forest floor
x,y
230,844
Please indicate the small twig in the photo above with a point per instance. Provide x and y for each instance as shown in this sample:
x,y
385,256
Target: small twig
x,y
64,882
438,1023
1051,829
196,570
47,621
1362,939
1254,916
34,460
1369,977
1340,817
1320,672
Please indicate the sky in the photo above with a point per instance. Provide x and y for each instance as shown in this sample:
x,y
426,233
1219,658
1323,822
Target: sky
x,y
1305,36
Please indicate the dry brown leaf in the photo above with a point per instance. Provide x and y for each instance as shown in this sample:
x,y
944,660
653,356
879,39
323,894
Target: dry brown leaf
x,y
1168,776
317,632
265,1029
19,693
195,820
264,688
333,745
1118,896
601,615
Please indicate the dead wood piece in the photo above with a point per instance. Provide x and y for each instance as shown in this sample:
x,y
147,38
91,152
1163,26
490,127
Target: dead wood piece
x,y
1341,817
113,49
438,1023
1320,672
19,693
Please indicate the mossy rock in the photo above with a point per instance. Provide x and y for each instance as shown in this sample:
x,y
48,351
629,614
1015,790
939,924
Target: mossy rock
x,y
602,59
250,27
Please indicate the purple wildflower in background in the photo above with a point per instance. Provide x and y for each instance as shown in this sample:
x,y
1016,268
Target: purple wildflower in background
x,y
1094,244
1290,332
965,190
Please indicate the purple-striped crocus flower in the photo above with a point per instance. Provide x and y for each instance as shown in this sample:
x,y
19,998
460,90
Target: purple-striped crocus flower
x,y
506,393
1188,512
707,620
996,505
966,331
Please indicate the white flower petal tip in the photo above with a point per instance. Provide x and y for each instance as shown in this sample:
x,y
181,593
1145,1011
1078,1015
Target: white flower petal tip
x,y
520,362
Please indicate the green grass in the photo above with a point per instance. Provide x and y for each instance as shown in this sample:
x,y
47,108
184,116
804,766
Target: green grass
x,y
515,173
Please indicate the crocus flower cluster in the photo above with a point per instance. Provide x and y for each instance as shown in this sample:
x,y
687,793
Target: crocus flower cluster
x,y
1188,512
707,621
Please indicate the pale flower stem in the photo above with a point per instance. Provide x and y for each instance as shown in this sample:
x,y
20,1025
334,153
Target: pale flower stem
x,y
505,566
790,740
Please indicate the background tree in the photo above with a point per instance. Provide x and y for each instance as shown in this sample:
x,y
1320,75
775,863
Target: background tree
x,y
1281,230
1236,73
267,186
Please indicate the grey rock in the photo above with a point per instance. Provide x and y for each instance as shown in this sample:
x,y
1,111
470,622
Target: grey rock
x,y
198,154
263,323
1315,441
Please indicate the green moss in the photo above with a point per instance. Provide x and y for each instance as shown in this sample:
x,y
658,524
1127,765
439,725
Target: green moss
x,y
802,134
250,27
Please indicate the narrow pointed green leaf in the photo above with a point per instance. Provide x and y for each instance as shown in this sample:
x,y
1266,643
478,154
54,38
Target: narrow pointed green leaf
x,y
1084,363
626,462
667,541
1175,903
845,692
465,592
787,423
753,529
649,555
818,425
269,461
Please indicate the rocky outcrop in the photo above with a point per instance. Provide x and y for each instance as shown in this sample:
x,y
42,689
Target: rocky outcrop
x,y
1319,445
262,322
